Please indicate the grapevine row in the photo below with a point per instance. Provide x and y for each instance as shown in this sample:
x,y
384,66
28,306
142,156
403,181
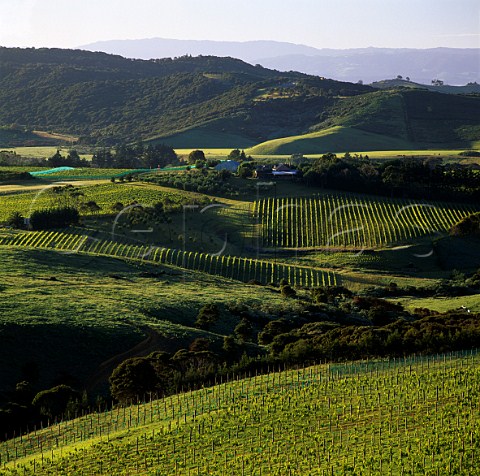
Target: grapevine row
x,y
335,220
376,418
232,267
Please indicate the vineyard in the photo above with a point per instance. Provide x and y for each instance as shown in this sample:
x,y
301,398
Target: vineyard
x,y
105,195
93,173
410,416
347,221
241,269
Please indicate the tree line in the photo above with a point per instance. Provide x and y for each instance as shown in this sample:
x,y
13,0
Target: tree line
x,y
407,177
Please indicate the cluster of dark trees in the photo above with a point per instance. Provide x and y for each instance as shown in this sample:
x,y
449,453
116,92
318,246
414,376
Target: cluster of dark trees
x,y
13,176
469,225
412,178
137,156
54,218
71,160
202,181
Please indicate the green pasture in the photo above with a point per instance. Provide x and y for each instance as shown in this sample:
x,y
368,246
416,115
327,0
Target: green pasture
x,y
66,313
448,155
443,304
43,152
334,139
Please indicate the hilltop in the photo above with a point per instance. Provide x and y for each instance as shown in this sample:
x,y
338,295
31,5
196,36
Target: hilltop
x,y
453,65
106,97
438,87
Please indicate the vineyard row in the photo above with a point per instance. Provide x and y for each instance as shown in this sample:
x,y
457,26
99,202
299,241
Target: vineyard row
x,y
232,267
332,221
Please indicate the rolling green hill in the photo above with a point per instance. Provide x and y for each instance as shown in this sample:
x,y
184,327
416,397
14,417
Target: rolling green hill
x,y
385,120
110,98
332,139
217,102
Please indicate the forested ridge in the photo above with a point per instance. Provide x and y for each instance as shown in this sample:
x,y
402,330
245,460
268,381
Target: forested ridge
x,y
106,99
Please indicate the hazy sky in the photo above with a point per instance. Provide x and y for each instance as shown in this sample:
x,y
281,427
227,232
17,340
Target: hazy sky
x,y
319,23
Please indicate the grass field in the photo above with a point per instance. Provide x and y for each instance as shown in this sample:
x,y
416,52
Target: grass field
x,y
334,139
43,152
66,313
417,416
442,304
448,155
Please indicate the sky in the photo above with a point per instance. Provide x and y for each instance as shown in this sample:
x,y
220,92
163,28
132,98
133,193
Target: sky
x,y
318,23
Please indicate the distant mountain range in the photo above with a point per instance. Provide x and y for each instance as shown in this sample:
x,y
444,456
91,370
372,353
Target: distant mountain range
x,y
209,101
454,66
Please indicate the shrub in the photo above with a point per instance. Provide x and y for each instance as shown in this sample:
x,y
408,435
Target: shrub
x,y
55,401
54,218
207,316
287,291
16,220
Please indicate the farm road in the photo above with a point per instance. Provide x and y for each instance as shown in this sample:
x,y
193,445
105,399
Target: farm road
x,y
151,343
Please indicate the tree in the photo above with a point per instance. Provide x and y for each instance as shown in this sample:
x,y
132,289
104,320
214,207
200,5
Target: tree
x,y
54,402
200,164
243,330
54,218
91,207
196,155
133,379
16,220
199,344
234,154
245,169
207,316
56,160
230,345
399,76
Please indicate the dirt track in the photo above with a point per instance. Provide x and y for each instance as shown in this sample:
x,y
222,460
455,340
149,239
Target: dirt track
x,y
151,343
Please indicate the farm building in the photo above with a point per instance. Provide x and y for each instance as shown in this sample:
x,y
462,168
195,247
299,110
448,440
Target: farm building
x,y
280,170
230,165
263,171
283,170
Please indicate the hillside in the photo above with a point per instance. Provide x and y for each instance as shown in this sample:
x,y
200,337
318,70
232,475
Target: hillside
x,y
332,139
375,418
209,101
103,97
388,120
